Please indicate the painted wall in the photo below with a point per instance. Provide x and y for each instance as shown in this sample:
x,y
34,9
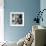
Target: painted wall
x,y
43,6
29,7
1,21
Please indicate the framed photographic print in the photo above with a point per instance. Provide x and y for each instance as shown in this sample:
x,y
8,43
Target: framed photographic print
x,y
16,18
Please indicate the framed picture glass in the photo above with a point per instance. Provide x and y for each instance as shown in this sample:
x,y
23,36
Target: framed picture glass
x,y
16,18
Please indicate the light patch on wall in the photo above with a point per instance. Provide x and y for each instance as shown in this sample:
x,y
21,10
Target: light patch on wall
x,y
1,21
1,3
16,18
1,25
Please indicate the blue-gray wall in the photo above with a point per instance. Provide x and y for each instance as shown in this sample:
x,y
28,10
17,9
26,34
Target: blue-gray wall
x,y
43,6
29,7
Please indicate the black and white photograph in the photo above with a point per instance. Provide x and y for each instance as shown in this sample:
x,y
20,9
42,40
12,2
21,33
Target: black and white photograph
x,y
17,18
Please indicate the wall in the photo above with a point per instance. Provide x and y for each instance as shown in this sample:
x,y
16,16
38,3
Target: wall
x,y
1,21
43,6
29,7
